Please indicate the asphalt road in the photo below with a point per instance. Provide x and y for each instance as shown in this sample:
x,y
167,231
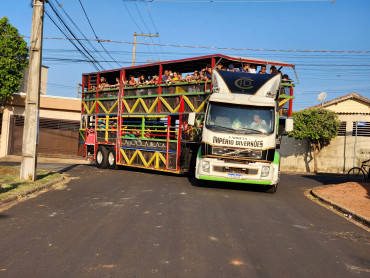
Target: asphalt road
x,y
141,224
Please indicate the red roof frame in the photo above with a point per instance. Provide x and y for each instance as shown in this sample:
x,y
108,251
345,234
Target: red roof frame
x,y
224,57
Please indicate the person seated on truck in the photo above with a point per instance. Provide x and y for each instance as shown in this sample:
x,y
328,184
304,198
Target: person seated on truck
x,y
196,76
245,68
175,79
103,83
142,80
219,67
252,68
132,82
263,70
285,79
180,76
231,67
258,123
188,78
125,83
165,76
209,73
118,83
154,80
273,70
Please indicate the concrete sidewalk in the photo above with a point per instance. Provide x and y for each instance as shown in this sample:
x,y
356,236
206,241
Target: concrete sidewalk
x,y
40,159
351,198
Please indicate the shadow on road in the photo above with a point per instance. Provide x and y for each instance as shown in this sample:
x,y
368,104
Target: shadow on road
x,y
325,179
227,185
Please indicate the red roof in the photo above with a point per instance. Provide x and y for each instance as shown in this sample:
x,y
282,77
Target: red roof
x,y
203,59
343,98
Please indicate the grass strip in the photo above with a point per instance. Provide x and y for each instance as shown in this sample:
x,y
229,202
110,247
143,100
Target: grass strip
x,y
11,185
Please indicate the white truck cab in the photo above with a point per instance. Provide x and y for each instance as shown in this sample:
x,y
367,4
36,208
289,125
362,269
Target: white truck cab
x,y
240,130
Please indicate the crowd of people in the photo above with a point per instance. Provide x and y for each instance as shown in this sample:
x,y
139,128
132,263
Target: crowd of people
x,y
172,77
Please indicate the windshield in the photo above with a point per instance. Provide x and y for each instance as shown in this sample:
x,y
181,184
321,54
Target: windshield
x,y
224,117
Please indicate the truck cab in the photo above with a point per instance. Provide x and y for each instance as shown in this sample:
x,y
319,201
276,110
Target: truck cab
x,y
241,130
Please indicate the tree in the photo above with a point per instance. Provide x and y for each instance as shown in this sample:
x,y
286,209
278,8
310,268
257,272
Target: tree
x,y
318,126
13,59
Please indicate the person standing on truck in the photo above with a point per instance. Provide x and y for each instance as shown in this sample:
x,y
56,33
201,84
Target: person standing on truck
x,y
263,70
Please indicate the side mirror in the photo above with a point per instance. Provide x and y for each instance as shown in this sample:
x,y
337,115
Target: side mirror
x,y
289,124
191,119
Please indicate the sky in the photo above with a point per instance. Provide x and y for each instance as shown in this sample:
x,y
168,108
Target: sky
x,y
341,25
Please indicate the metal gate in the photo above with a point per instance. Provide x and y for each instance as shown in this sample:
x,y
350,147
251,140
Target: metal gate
x,y
56,137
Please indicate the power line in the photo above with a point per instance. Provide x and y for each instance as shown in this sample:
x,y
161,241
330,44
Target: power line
x,y
95,33
78,29
137,25
217,48
147,28
71,41
155,28
234,1
62,21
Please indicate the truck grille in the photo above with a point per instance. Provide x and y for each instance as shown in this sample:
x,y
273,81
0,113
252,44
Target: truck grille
x,y
235,170
236,153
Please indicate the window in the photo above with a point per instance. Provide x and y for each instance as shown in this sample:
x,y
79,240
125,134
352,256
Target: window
x,y
342,129
362,130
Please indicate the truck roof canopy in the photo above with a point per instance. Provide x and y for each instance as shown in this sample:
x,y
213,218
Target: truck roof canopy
x,y
197,63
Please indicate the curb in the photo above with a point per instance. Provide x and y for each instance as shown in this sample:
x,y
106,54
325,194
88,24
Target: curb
x,y
355,216
40,188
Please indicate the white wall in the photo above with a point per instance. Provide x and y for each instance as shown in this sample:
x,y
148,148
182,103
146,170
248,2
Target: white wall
x,y
337,157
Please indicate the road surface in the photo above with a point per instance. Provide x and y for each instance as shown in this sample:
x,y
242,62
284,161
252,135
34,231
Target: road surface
x,y
129,223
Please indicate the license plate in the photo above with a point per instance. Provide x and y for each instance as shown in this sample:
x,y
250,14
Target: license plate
x,y
234,176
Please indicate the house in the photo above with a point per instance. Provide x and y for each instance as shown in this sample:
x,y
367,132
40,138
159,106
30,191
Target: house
x,y
348,149
58,126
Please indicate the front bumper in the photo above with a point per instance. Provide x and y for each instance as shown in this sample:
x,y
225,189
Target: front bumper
x,y
250,173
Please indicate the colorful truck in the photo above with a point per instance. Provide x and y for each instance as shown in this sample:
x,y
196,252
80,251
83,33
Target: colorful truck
x,y
188,126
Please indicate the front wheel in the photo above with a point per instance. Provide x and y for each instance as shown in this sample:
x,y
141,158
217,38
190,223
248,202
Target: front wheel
x,y
356,174
271,188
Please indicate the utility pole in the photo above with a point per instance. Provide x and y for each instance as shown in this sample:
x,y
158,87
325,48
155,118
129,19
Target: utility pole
x,y
32,105
140,35
78,89
152,61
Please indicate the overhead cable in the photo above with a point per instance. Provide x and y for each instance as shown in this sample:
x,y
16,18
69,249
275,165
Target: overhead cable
x,y
213,47
95,33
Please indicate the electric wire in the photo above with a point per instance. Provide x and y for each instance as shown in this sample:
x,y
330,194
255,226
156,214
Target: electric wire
x,y
134,21
147,28
78,29
155,28
72,42
95,33
62,21
68,29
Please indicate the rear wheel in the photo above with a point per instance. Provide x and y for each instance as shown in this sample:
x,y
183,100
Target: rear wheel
x,y
112,158
356,174
102,157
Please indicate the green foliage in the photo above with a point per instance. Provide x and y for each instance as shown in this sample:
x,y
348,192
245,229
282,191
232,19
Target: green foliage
x,y
13,59
318,126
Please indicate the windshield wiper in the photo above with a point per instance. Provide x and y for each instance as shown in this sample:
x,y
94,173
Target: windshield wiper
x,y
254,130
222,127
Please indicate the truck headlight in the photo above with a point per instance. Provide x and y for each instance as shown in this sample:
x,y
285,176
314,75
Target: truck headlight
x,y
265,171
205,166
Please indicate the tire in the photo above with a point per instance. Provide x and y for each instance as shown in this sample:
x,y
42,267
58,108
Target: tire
x,y
111,158
356,174
271,188
102,157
